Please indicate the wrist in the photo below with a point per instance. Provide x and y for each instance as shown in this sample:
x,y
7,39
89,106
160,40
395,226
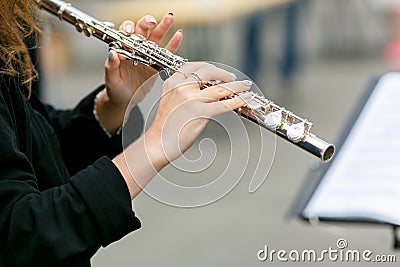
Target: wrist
x,y
155,150
109,115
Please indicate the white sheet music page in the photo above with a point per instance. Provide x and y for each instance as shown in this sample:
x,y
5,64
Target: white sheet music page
x,y
363,182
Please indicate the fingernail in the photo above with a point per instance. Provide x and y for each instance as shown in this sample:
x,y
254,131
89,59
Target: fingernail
x,y
247,83
180,30
233,75
110,56
128,28
170,13
152,20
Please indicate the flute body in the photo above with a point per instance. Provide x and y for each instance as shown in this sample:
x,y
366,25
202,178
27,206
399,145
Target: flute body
x,y
135,47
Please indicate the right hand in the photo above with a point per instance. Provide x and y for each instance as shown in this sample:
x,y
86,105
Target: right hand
x,y
184,109
181,116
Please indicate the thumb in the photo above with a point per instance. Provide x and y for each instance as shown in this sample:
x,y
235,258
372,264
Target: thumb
x,y
112,67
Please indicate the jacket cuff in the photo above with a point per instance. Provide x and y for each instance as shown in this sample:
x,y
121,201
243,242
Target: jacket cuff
x,y
104,191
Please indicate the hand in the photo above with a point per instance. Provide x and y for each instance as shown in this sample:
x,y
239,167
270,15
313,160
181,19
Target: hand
x,y
181,116
184,110
121,77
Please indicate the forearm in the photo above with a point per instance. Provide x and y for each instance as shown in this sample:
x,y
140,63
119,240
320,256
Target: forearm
x,y
141,161
79,133
109,115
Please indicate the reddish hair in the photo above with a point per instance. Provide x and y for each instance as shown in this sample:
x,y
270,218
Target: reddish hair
x,y
16,23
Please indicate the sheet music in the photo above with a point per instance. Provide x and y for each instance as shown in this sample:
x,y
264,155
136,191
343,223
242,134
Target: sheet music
x,y
363,182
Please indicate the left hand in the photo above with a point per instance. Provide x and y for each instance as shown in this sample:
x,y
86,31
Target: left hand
x,y
122,78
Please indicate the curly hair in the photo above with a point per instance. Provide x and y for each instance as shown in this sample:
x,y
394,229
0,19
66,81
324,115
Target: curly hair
x,y
17,21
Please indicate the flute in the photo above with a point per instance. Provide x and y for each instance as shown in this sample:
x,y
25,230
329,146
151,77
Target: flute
x,y
137,48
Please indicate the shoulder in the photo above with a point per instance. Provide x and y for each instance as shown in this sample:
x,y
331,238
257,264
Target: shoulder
x,y
9,86
12,101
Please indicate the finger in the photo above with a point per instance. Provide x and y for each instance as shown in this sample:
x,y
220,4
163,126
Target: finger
x,y
190,67
127,27
209,72
175,41
181,75
219,107
122,57
178,76
162,28
221,91
112,67
145,24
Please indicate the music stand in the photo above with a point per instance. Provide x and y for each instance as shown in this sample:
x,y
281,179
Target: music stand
x,y
362,182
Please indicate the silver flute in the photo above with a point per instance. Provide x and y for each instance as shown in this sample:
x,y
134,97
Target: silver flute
x,y
258,109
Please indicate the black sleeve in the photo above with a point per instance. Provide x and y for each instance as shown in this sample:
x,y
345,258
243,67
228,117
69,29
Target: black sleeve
x,y
80,134
61,226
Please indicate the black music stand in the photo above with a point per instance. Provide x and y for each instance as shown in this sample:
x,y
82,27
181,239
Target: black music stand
x,y
362,182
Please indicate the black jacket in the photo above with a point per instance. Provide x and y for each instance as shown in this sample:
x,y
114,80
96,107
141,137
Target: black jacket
x,y
61,197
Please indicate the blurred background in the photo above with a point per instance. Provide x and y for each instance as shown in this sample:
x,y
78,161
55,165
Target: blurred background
x,y
313,57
